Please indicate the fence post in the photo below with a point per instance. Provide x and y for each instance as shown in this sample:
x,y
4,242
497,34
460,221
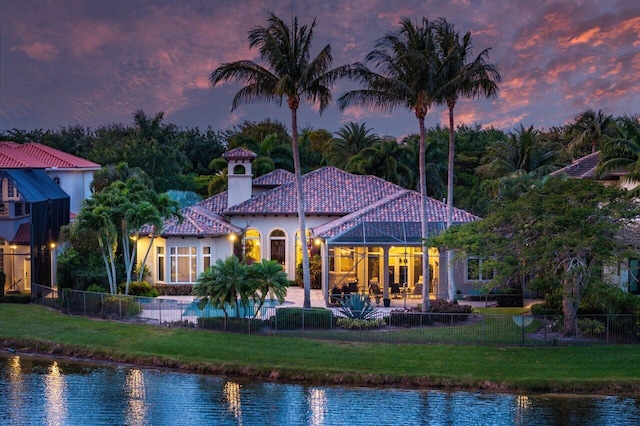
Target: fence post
x,y
84,303
303,309
608,315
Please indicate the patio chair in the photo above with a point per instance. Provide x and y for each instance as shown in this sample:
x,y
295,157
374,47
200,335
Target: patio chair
x,y
353,287
417,290
374,289
395,290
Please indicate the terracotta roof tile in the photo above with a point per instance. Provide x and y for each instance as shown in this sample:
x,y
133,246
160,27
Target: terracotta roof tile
x,y
402,206
23,234
239,153
216,203
275,178
36,155
328,190
197,222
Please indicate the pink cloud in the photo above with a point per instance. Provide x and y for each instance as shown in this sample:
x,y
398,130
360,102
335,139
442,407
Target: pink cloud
x,y
38,50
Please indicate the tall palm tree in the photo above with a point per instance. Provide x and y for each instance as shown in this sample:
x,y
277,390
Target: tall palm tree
x,y
459,78
406,60
288,73
350,139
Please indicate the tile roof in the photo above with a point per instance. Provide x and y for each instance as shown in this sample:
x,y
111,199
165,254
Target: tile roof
x,y
328,190
402,206
585,168
216,203
274,178
197,222
37,155
23,234
239,153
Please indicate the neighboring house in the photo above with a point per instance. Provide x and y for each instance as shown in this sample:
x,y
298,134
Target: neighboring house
x,y
626,275
364,229
41,189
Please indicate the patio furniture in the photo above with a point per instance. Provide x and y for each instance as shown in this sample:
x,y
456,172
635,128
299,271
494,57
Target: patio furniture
x,y
417,291
353,287
395,290
374,289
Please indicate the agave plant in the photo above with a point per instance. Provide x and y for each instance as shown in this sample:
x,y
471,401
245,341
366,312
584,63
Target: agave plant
x,y
357,306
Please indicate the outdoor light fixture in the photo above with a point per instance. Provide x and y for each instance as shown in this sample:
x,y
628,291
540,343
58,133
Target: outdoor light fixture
x,y
233,237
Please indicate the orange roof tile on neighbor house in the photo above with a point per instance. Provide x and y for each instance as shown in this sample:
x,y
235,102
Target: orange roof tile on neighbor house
x,y
37,156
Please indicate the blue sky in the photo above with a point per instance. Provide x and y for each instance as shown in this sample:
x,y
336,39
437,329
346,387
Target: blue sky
x,y
89,62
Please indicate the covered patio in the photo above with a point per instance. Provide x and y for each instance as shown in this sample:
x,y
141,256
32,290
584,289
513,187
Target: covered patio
x,y
381,259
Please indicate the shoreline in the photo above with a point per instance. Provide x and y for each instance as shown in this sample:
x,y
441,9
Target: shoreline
x,y
51,350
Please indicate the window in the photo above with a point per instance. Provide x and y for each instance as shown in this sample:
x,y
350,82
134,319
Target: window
x,y
11,189
239,170
634,276
299,246
206,258
4,211
57,180
22,209
277,244
252,245
183,264
346,259
160,263
477,270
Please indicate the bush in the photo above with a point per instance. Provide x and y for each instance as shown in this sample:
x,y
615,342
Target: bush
x,y
443,306
360,324
604,298
121,307
235,325
591,327
543,309
174,289
20,298
408,318
138,288
95,288
315,272
292,318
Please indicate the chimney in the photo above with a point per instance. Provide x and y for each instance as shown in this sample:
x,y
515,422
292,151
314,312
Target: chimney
x,y
239,175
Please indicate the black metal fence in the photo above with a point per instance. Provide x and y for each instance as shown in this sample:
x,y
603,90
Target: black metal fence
x,y
395,326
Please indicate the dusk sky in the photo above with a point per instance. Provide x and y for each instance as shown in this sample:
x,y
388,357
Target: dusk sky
x,y
91,62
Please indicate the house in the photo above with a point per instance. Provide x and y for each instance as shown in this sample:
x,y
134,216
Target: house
x,y
41,189
364,230
626,275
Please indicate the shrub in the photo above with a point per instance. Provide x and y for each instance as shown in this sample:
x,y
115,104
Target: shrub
x,y
20,298
408,318
292,318
138,288
95,288
604,298
121,307
360,324
235,325
591,327
543,309
315,272
357,306
443,306
174,289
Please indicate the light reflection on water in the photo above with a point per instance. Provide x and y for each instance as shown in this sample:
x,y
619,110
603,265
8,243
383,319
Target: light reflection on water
x,y
50,392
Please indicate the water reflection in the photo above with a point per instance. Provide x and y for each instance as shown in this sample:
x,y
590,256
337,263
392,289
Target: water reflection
x,y
49,392
135,391
54,394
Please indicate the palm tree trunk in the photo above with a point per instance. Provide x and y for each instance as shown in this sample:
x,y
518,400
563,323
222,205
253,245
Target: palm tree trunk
x,y
451,284
306,277
426,279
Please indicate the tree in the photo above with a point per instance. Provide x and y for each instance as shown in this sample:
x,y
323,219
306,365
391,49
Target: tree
x,y
350,139
117,172
459,78
222,285
268,279
560,234
589,130
117,214
406,60
621,152
288,73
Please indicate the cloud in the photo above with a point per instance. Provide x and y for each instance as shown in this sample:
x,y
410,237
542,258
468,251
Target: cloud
x,y
38,50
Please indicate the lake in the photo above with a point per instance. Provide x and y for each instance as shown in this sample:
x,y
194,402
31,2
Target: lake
x,y
49,391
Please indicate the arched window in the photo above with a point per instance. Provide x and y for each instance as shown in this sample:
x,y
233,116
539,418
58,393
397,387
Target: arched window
x,y
239,169
299,246
278,245
252,245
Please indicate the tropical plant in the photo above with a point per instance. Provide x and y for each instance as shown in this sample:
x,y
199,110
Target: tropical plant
x,y
357,306
350,140
621,152
589,130
267,279
289,73
224,285
407,62
459,77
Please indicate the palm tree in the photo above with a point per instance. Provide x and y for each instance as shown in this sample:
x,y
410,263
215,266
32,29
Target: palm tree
x,y
406,59
622,150
589,131
288,74
385,160
268,279
222,284
459,78
351,139
524,150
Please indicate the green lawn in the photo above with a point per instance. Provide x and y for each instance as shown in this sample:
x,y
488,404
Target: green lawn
x,y
609,369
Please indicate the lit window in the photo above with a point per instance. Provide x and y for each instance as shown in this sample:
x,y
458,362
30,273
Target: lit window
x,y
277,244
252,245
206,258
183,264
161,264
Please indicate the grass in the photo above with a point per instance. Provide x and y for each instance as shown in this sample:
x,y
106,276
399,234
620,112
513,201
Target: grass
x,y
579,369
